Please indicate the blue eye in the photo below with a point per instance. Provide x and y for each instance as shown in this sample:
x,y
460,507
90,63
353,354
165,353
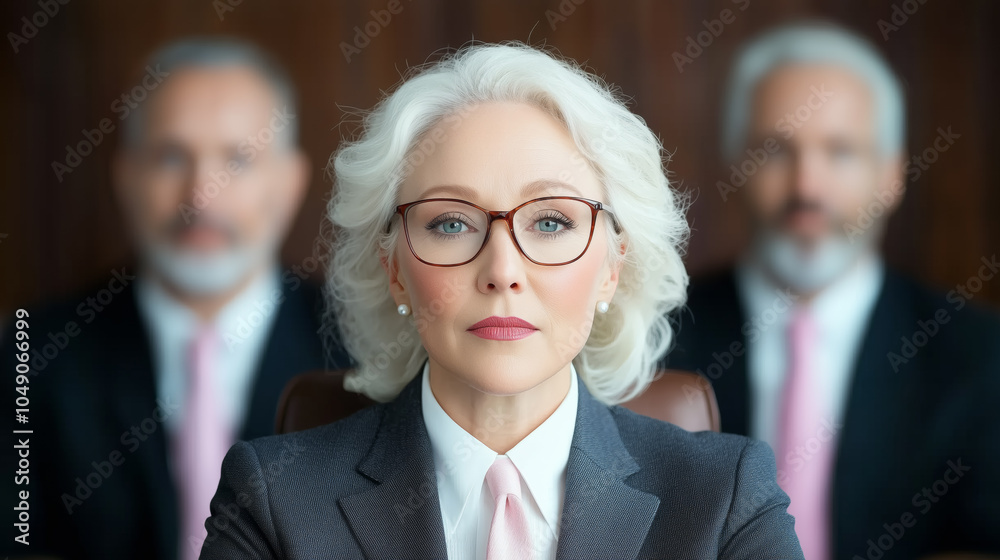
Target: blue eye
x,y
548,226
452,226
555,223
448,226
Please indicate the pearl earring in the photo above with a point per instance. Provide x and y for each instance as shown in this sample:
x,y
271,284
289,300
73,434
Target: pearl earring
x,y
403,309
602,306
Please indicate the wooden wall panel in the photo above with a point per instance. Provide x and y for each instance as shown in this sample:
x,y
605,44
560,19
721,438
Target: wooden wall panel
x,y
62,235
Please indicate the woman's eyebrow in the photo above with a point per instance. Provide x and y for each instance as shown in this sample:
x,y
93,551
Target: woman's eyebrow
x,y
531,189
545,185
459,191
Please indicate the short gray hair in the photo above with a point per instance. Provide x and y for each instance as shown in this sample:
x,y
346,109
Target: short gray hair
x,y
214,52
820,43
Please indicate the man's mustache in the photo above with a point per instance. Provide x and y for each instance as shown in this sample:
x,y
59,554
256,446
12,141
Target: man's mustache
x,y
180,224
798,204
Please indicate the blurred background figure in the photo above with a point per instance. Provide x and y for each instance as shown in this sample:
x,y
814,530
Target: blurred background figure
x,y
875,393
201,335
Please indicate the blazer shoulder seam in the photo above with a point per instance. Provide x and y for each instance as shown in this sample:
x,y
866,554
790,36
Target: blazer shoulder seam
x,y
267,495
732,497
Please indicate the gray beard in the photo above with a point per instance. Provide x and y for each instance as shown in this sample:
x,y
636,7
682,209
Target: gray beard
x,y
199,274
807,270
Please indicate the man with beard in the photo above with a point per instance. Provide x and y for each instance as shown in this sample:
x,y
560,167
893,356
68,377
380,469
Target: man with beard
x,y
133,417
876,394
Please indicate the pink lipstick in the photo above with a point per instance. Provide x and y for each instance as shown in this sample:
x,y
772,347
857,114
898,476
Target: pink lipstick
x,y
502,328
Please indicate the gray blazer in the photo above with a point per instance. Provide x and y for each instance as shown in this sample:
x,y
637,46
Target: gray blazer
x,y
365,487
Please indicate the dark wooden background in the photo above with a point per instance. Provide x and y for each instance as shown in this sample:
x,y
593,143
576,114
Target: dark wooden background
x,y
58,237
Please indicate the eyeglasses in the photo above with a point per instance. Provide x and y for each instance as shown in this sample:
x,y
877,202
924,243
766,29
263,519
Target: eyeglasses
x,y
550,231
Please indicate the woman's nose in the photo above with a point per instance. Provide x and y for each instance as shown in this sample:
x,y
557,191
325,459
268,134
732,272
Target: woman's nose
x,y
501,263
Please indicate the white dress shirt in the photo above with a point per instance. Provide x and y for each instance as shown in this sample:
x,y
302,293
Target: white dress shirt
x,y
243,326
841,312
461,462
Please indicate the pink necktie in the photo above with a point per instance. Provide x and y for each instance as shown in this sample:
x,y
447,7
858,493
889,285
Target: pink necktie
x,y
509,538
806,446
199,446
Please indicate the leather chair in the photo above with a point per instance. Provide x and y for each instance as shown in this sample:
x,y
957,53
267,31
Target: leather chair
x,y
318,397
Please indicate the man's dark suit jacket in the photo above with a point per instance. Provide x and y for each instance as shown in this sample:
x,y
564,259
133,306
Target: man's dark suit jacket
x,y
97,397
365,487
918,463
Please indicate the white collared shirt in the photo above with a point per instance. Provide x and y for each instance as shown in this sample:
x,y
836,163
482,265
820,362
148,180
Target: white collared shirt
x,y
841,312
243,326
461,462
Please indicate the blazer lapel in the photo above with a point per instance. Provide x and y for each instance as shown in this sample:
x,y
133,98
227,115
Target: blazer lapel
x,y
293,347
732,385
133,399
710,341
401,516
602,516
868,443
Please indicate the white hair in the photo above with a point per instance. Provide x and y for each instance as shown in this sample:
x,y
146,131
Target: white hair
x,y
813,43
619,358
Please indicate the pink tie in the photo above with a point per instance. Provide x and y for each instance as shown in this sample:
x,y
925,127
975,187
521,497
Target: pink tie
x,y
806,445
509,538
199,446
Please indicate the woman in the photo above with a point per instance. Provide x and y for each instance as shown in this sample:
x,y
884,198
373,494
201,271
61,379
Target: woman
x,y
506,252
